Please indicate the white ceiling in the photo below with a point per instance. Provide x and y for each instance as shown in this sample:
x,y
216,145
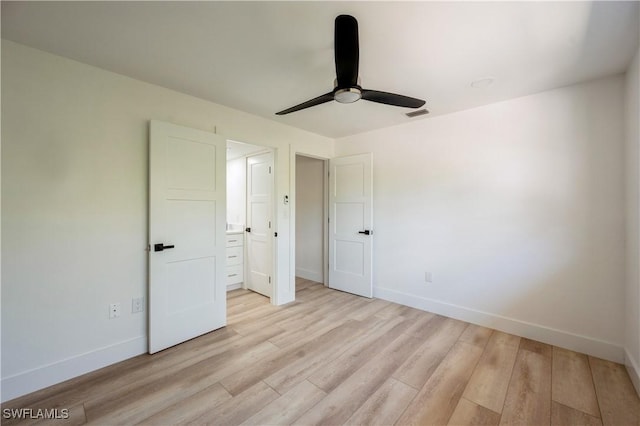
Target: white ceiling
x,y
262,57
240,149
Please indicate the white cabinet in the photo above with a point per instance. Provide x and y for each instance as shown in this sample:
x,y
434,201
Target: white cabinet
x,y
235,260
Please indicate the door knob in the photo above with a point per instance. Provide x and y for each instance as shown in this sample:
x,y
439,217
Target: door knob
x,y
161,247
365,232
248,229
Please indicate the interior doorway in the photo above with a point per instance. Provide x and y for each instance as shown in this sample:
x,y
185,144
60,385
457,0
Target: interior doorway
x,y
311,219
244,225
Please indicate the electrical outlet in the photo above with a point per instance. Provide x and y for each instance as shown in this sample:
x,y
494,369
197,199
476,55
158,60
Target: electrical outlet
x,y
137,305
114,310
428,277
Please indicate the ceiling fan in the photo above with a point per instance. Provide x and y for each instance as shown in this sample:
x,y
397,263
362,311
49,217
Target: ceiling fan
x,y
347,89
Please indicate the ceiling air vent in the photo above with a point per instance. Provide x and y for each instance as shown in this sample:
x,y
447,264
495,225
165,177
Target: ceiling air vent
x,y
417,113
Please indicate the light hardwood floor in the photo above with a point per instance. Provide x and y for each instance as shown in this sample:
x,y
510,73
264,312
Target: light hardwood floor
x,y
333,358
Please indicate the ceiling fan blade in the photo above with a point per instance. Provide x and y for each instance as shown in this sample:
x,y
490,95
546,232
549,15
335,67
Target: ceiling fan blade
x,y
313,102
391,99
346,51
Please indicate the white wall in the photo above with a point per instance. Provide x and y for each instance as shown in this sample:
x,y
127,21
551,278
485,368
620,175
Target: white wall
x,y
74,198
309,218
517,210
237,191
632,155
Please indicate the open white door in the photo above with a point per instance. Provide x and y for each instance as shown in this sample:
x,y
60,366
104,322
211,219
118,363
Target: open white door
x,y
187,221
259,223
350,224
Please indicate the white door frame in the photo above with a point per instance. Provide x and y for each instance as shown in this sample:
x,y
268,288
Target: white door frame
x,y
274,228
276,290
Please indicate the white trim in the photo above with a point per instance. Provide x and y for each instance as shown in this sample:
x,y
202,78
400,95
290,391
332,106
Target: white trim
x,y
234,286
308,274
325,222
633,370
57,372
584,344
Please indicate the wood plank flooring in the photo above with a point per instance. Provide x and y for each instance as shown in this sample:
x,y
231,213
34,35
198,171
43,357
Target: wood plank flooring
x,y
332,358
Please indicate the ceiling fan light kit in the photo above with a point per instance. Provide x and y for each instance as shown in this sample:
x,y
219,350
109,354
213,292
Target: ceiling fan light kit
x,y
347,90
348,95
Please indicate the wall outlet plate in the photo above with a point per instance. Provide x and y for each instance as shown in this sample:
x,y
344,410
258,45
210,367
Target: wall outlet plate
x,y
114,310
137,305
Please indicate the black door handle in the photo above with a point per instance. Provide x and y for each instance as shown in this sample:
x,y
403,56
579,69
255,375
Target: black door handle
x,y
161,247
248,229
365,232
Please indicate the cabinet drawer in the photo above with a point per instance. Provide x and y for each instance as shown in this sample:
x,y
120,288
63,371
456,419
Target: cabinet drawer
x,y
234,255
234,240
234,274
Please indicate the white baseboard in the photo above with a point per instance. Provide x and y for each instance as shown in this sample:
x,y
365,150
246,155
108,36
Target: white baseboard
x,y
234,286
563,339
633,369
57,372
310,275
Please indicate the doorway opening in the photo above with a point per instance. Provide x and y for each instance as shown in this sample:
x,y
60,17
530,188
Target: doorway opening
x,y
250,218
311,227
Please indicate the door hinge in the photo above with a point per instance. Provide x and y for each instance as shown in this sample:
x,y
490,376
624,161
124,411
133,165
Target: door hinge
x,y
269,280
269,169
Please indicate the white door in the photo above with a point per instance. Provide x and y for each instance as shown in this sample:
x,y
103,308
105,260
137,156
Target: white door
x,y
350,224
260,223
187,218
